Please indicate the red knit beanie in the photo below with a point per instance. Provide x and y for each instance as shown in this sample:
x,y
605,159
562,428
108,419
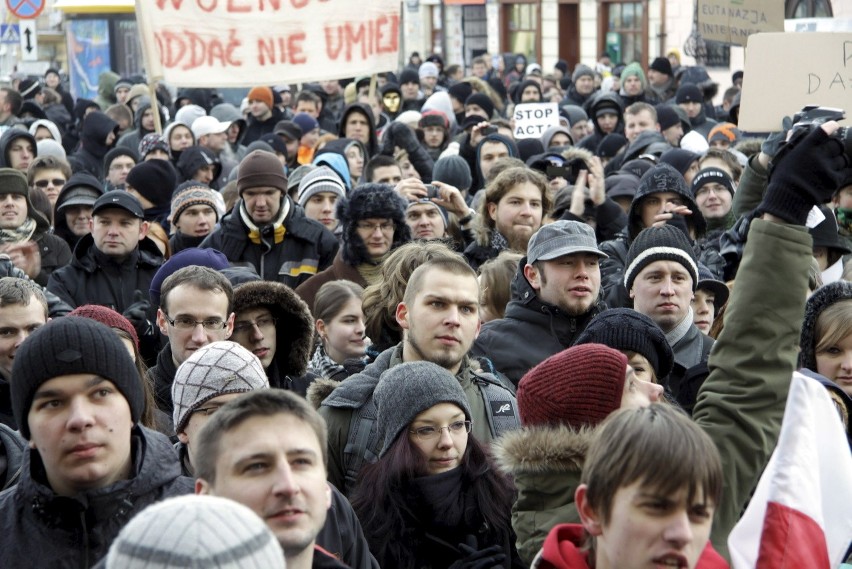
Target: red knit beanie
x,y
577,387
107,316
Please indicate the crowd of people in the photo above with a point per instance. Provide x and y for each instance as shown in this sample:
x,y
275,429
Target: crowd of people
x,y
365,323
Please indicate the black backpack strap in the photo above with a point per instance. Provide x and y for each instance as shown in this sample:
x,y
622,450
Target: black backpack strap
x,y
360,446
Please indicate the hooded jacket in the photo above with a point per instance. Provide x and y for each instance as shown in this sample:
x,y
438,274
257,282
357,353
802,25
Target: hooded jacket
x,y
193,159
595,103
473,159
6,140
545,462
132,138
308,247
373,144
60,224
612,268
41,529
294,331
339,401
55,252
339,147
530,332
106,89
93,148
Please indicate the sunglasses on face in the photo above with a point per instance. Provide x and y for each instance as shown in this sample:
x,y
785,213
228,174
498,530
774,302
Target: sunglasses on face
x,y
45,183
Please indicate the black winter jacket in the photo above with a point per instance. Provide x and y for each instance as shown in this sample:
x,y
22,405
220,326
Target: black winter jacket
x,y
308,247
12,449
40,529
530,332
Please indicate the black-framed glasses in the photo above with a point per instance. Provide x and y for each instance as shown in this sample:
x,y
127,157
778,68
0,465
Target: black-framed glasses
x,y
188,323
265,323
57,182
432,433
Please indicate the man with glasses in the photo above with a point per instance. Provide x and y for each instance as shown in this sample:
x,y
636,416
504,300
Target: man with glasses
x,y
49,174
196,309
274,324
373,222
113,266
117,164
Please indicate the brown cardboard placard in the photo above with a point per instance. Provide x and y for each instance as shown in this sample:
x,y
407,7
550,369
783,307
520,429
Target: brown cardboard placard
x,y
786,71
733,21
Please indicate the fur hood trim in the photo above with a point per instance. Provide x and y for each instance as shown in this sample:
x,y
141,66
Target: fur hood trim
x,y
319,389
542,449
295,326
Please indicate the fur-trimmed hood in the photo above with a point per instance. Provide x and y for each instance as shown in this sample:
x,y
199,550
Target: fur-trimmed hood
x,y
320,389
294,327
542,449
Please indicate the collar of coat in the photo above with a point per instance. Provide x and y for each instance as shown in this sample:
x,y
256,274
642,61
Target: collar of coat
x,y
542,449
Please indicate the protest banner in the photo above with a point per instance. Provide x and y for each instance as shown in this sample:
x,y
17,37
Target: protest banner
x,y
732,21
786,71
241,43
530,120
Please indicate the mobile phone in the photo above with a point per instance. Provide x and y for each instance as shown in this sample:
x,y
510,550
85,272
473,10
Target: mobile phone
x,y
488,130
432,191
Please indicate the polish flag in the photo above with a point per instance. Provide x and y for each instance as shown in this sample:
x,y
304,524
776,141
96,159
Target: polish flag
x,y
801,513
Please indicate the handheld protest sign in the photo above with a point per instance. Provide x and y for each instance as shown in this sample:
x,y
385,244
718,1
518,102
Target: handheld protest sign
x,y
733,21
530,120
786,71
199,43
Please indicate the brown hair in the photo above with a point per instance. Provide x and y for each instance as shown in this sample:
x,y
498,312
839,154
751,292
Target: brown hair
x,y
505,182
260,403
203,278
729,159
333,296
657,446
15,291
48,162
381,299
496,283
833,324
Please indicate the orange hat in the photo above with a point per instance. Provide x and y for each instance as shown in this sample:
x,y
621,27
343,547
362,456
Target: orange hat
x,y
261,94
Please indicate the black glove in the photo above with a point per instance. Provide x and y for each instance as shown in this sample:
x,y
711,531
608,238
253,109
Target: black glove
x,y
805,172
774,141
397,134
479,559
137,314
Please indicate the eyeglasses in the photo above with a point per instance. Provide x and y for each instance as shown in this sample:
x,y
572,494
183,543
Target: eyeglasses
x,y
371,227
45,183
432,433
116,167
187,323
266,323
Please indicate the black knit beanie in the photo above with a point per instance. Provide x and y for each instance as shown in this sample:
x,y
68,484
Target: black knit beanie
x,y
72,345
679,158
482,101
625,329
666,243
821,299
155,180
370,201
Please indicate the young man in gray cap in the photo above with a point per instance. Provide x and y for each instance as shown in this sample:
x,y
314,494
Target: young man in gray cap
x,y
557,293
90,467
268,230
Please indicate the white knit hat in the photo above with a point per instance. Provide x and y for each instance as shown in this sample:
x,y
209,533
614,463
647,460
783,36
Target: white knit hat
x,y
213,370
196,531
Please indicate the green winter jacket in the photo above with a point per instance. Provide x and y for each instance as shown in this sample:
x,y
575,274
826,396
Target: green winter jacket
x,y
740,405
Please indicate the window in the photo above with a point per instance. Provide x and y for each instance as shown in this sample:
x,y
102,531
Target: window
x,y
626,19
522,21
808,9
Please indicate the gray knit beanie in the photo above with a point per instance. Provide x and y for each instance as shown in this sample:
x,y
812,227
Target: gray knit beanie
x,y
67,346
408,389
452,170
211,371
321,179
195,531
822,298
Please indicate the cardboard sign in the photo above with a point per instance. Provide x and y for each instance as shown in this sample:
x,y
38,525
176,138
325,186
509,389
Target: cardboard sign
x,y
786,71
732,21
241,43
530,120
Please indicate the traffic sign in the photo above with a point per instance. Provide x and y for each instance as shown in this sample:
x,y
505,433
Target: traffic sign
x,y
26,9
29,41
10,33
